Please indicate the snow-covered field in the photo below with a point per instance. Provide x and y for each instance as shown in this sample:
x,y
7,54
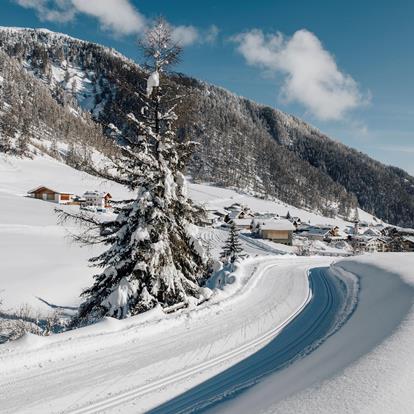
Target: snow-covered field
x,y
138,364
38,258
289,335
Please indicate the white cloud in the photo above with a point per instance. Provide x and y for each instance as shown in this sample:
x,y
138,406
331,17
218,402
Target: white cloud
x,y
311,75
60,11
188,35
119,16
185,35
212,34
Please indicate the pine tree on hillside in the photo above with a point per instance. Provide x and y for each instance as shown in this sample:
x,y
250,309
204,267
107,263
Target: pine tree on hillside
x,y
232,248
153,258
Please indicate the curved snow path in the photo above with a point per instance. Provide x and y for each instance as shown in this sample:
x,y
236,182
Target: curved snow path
x,y
306,331
365,367
119,366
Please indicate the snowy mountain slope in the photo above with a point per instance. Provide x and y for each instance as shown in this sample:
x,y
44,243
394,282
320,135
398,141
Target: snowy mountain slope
x,y
24,122
272,153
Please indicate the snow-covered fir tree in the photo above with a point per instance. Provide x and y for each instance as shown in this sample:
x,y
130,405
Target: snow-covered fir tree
x,y
232,248
153,259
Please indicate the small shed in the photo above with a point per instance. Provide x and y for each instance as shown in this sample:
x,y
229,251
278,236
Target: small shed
x,y
48,194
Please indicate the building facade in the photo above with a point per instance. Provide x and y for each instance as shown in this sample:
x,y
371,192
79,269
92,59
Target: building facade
x,y
47,194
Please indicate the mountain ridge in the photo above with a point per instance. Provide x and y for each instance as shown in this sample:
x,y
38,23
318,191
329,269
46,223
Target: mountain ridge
x,y
271,152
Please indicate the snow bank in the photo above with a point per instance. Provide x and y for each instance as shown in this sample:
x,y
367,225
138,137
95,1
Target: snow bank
x,y
160,355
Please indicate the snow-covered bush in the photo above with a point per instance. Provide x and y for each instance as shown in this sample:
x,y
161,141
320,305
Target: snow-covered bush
x,y
16,323
221,275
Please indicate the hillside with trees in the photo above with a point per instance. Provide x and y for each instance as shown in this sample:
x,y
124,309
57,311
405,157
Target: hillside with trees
x,y
241,144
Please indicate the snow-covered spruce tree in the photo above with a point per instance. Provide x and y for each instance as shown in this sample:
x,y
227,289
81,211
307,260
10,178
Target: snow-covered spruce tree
x,y
153,258
232,248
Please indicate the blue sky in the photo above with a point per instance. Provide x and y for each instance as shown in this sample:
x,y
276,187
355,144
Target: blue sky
x,y
345,67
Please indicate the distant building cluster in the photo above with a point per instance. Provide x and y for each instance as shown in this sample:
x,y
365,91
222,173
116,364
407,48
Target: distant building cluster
x,y
313,238
381,238
264,226
359,238
90,200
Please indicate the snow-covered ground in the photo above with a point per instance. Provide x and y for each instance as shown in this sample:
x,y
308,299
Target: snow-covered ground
x,y
138,363
284,337
367,366
38,258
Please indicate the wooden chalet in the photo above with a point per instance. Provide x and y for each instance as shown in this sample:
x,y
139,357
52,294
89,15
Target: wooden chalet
x,y
48,194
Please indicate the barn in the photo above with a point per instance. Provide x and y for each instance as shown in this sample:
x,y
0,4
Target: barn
x,y
48,194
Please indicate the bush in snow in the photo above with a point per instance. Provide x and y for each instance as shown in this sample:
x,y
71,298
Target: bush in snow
x,y
153,258
14,324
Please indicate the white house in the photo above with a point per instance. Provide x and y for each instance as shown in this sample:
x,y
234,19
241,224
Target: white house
x,y
96,199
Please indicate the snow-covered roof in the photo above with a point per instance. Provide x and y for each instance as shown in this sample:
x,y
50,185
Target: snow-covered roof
x,y
372,232
234,214
280,224
211,216
339,237
95,194
314,231
384,239
409,239
213,209
48,188
242,222
235,206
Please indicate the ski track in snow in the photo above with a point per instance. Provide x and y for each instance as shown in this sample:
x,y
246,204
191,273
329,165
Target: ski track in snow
x,y
307,328
146,370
